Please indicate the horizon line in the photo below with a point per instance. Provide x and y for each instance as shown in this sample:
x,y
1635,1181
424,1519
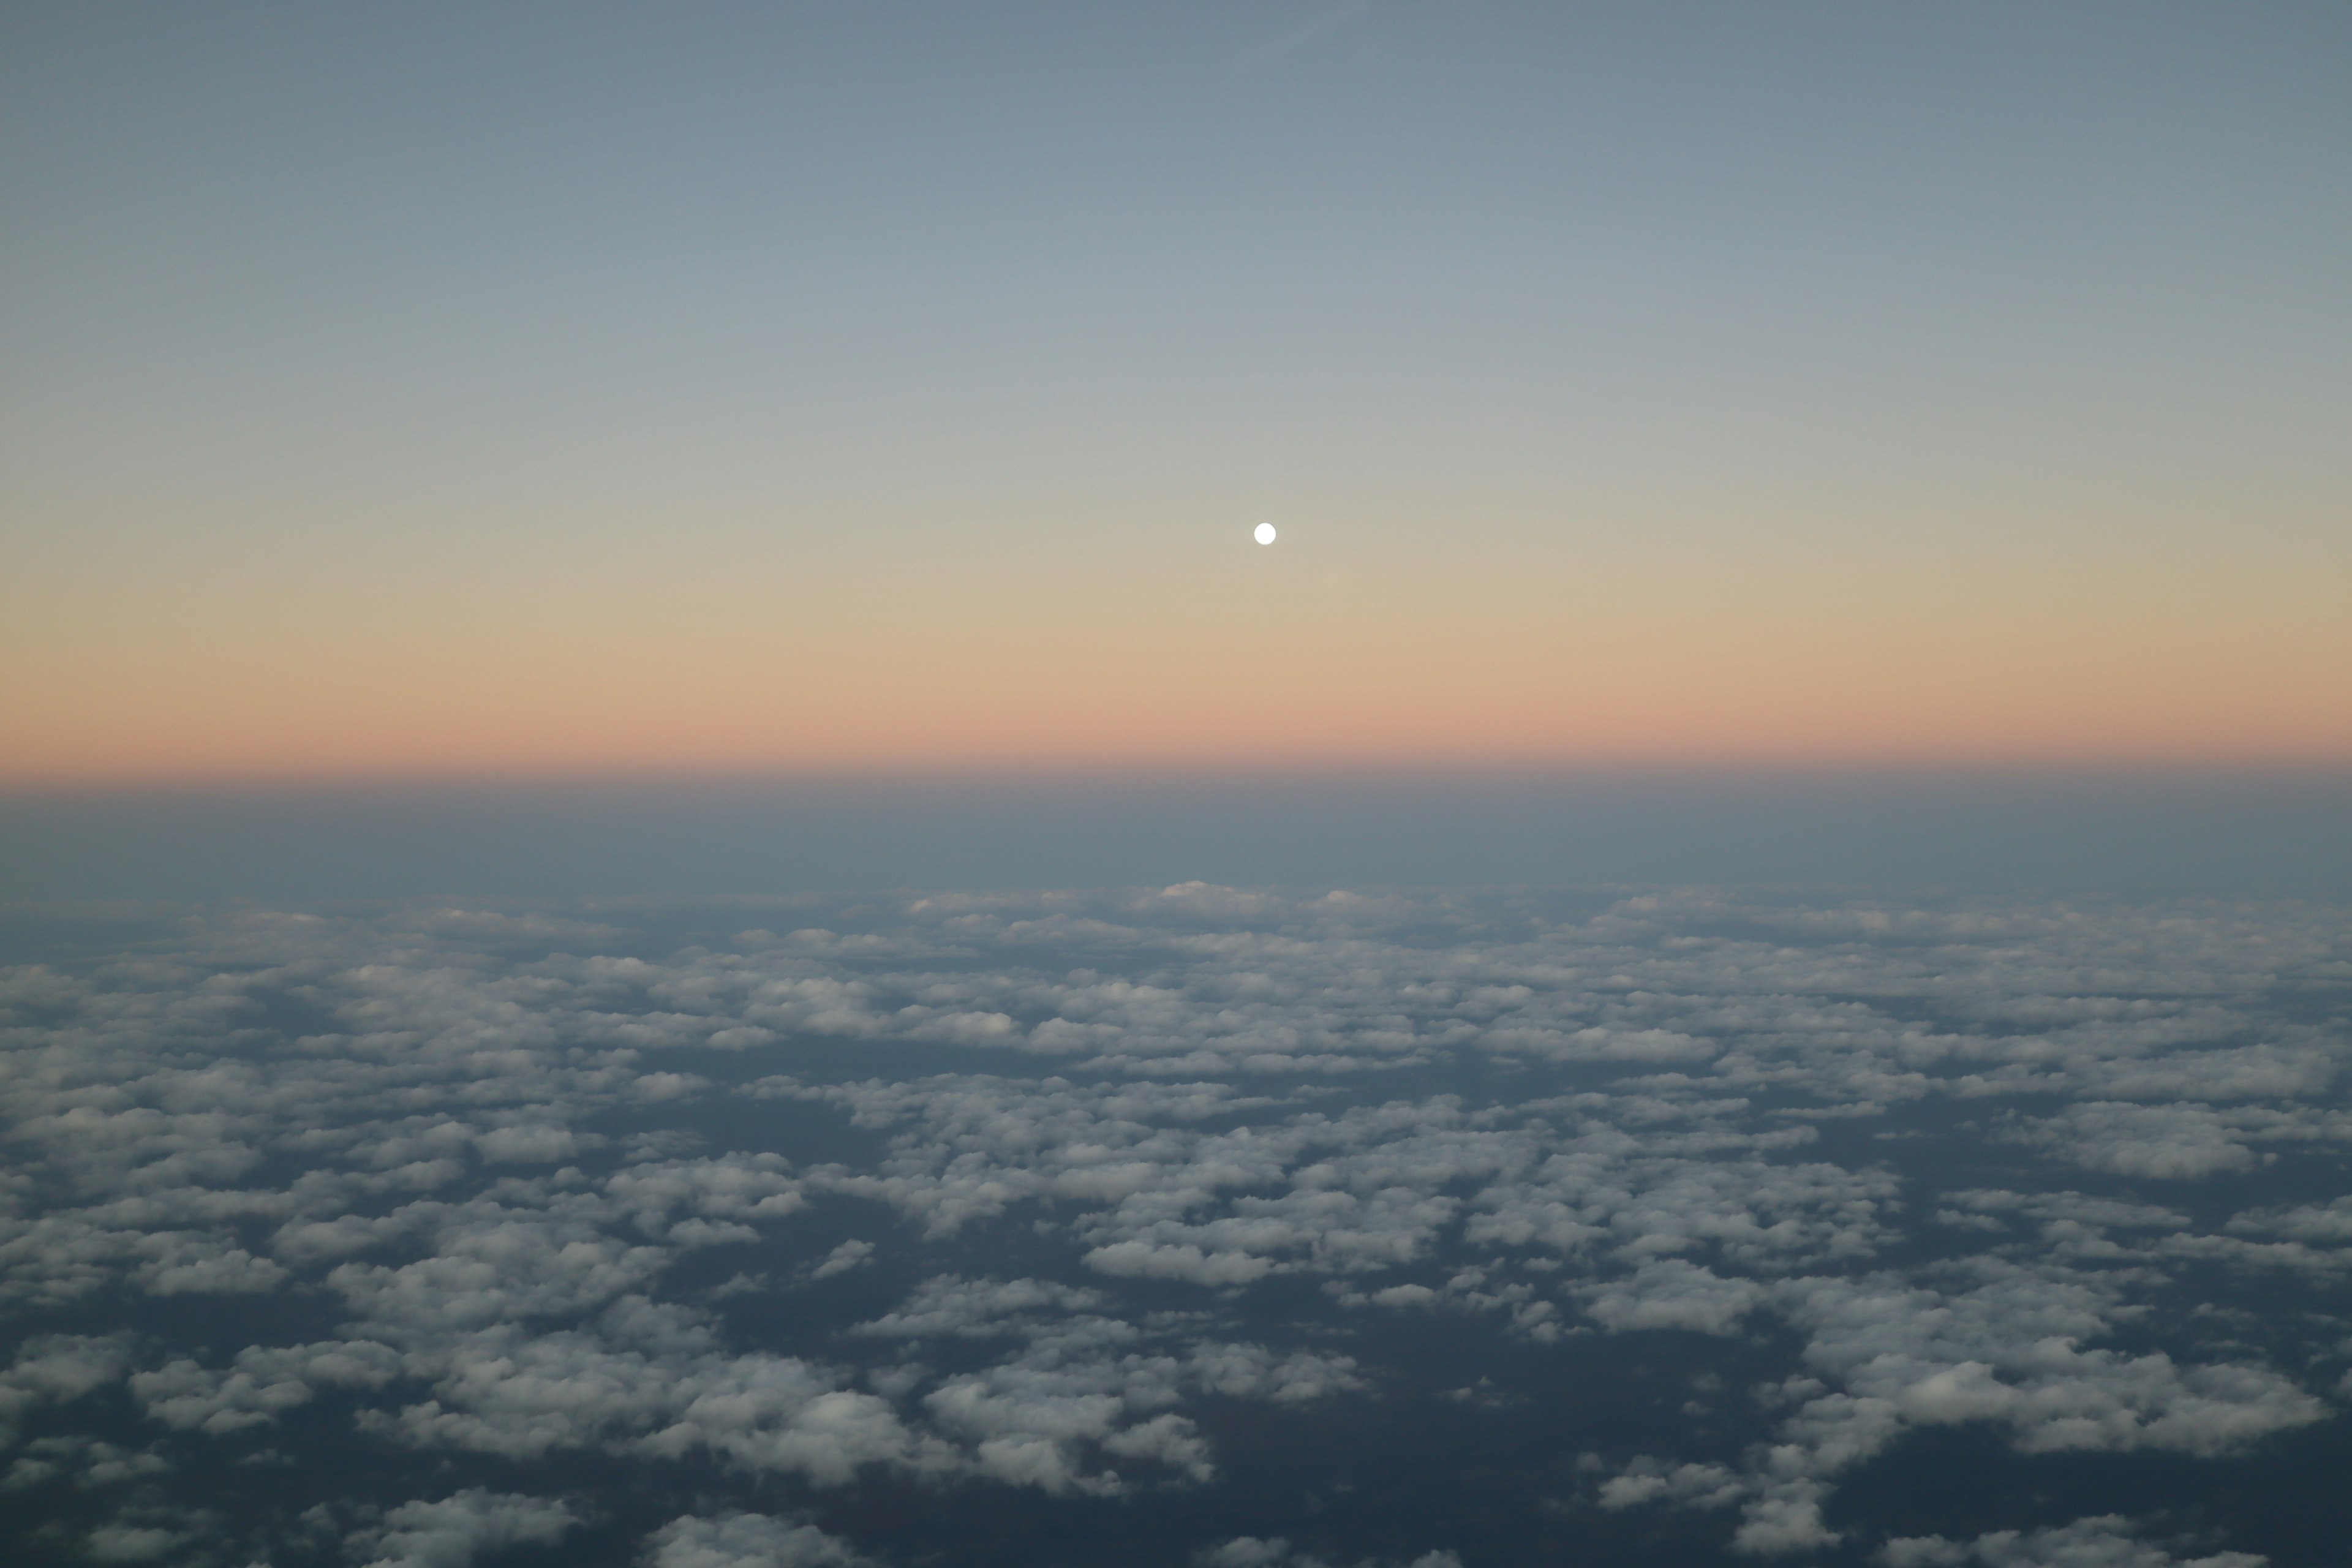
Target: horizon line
x,y
995,774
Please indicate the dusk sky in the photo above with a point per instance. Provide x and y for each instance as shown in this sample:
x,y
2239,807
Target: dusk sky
x,y
454,391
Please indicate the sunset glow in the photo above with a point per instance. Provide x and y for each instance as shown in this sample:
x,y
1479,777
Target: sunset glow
x,y
940,446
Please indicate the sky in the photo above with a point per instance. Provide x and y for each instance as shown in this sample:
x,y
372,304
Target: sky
x,y
676,892
435,392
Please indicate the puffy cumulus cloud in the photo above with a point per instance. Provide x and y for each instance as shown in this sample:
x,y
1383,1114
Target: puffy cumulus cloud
x,y
529,1143
2324,1223
523,1396
1276,1551
747,1540
1078,1403
1779,1512
87,1462
456,1531
2105,1541
262,1384
701,1202
1641,1195
135,1540
1331,1220
1179,1260
1033,1422
1368,1188
1672,1294
2008,1351
1253,1372
2169,1141
496,1265
182,1265
1888,1357
52,1368
849,1254
2066,1211
1648,1480
1088,1398
1786,1518
1128,1155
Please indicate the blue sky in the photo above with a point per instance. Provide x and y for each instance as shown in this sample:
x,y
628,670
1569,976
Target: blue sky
x,y
593,389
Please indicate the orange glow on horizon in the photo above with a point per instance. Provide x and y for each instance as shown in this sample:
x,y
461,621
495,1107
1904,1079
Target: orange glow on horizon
x,y
1752,668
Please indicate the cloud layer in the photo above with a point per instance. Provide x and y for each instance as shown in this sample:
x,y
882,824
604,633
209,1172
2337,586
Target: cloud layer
x,y
1030,1198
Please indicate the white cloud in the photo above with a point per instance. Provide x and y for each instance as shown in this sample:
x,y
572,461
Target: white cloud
x,y
53,1368
2105,1541
1253,1372
2174,1142
849,1254
1672,1294
747,1540
1787,1518
87,1461
452,1533
262,1384
122,1541
1274,1552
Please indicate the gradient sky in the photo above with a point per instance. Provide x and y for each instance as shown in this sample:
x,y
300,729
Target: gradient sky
x,y
441,390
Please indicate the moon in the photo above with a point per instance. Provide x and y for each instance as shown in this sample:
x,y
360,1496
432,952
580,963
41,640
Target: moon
x,y
1264,533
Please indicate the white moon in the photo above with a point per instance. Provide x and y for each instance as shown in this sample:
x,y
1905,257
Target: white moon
x,y
1264,533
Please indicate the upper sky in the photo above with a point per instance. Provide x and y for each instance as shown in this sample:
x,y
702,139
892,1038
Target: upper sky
x,y
442,390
